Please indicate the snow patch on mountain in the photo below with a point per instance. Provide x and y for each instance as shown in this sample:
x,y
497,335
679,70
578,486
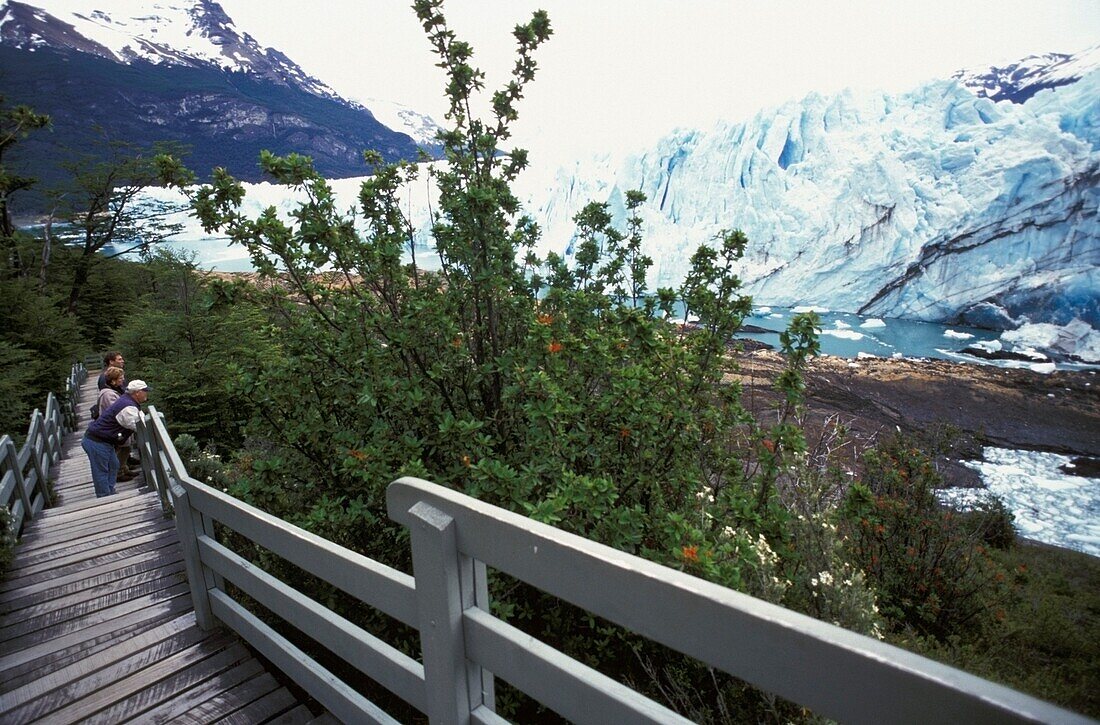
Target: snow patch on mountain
x,y
419,127
1021,80
164,32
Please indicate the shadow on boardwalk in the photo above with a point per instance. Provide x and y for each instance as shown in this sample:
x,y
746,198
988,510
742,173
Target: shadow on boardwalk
x,y
96,623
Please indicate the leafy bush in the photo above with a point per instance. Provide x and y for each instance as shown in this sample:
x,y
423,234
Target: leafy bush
x,y
931,572
991,521
7,539
188,337
202,465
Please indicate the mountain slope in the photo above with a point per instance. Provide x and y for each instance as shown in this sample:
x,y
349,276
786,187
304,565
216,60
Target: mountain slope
x,y
1019,81
175,71
935,204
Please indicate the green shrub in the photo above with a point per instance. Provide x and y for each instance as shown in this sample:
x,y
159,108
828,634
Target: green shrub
x,y
202,464
932,573
7,539
991,521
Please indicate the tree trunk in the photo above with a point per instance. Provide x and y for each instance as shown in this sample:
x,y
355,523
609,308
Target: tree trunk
x,y
80,279
47,243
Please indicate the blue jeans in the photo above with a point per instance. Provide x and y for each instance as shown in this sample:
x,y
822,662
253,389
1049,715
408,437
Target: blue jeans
x,y
104,462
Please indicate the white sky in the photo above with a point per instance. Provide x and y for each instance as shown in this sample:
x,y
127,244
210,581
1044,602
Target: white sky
x,y
621,73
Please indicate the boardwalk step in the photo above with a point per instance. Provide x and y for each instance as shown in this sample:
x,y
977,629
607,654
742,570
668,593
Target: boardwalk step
x,y
96,619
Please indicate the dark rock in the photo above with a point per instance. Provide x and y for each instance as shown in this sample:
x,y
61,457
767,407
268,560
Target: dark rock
x,y
1001,355
1082,466
749,345
756,330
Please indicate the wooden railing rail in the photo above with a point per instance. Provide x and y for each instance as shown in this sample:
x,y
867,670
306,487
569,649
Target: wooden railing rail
x,y
24,486
454,539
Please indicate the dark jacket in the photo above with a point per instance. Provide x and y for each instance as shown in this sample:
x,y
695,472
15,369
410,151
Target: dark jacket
x,y
106,427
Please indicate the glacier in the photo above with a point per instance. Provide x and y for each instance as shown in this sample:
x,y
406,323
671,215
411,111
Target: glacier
x,y
936,204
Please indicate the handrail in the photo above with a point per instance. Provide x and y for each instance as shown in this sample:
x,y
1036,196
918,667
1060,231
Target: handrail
x,y
837,673
24,473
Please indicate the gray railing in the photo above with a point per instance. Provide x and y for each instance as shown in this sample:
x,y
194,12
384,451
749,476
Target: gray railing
x,y
24,487
454,538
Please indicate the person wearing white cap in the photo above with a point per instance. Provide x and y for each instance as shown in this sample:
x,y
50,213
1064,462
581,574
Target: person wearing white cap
x,y
110,430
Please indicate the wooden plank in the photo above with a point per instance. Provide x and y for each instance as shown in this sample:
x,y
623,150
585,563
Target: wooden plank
x,y
91,504
115,651
54,616
371,582
30,544
146,684
36,606
174,685
84,677
83,533
89,618
297,716
69,550
161,609
44,667
46,574
200,693
59,517
242,696
117,568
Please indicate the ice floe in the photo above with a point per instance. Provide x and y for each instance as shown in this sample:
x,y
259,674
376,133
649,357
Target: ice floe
x,y
1049,505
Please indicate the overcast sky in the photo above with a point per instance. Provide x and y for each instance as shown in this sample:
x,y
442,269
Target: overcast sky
x,y
620,73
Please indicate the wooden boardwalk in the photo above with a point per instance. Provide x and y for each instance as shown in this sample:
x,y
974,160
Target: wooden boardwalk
x,y
96,623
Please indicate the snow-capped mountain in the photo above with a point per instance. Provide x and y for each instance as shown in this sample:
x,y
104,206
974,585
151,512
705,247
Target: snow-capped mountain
x,y
169,33
938,204
1019,81
177,70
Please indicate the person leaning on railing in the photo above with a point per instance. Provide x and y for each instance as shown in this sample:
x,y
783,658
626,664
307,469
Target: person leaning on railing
x,y
110,430
116,381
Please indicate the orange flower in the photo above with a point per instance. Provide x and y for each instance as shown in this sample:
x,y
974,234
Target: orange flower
x,y
690,553
457,342
769,444
357,455
554,347
545,319
624,432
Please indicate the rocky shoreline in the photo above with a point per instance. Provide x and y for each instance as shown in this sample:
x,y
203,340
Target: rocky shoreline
x,y
962,406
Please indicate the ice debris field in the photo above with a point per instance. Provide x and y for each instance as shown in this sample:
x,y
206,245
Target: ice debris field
x,y
1050,505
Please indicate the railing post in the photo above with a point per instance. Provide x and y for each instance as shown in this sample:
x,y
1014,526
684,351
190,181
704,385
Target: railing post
x,y
20,484
35,433
147,453
475,593
189,528
52,429
441,580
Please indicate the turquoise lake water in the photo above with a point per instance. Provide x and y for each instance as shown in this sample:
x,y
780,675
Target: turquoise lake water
x,y
848,335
